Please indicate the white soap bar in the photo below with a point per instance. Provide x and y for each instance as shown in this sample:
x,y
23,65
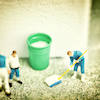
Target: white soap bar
x,y
39,44
52,79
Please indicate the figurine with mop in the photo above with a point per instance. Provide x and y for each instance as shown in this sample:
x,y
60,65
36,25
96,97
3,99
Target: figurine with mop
x,y
74,55
55,79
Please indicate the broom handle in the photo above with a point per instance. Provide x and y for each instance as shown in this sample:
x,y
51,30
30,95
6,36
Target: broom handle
x,y
71,66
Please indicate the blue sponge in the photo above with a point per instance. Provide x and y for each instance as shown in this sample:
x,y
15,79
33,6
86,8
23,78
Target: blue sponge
x,y
55,83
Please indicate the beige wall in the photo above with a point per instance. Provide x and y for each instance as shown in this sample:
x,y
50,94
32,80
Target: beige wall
x,y
66,21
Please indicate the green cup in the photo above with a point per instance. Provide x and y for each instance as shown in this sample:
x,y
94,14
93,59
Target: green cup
x,y
39,56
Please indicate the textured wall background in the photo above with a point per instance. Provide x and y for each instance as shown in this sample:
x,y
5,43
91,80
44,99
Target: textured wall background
x,y
66,21
94,29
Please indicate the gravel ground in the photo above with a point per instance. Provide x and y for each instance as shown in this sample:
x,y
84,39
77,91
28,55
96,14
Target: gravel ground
x,y
34,88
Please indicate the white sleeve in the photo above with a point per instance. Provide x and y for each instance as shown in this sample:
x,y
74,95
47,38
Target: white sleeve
x,y
18,60
7,64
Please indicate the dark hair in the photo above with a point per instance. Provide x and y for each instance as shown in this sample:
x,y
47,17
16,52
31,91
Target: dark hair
x,y
14,52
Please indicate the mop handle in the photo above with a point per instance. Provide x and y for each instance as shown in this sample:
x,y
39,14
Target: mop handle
x,y
71,66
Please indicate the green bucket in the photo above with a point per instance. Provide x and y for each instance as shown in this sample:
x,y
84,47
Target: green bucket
x,y
39,56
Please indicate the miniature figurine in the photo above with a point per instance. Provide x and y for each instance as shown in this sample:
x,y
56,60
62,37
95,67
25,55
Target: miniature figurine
x,y
14,65
80,62
4,71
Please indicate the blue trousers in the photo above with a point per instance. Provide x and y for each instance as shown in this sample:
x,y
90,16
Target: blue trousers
x,y
81,64
12,73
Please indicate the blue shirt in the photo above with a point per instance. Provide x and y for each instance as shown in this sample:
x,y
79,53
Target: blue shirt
x,y
76,55
2,61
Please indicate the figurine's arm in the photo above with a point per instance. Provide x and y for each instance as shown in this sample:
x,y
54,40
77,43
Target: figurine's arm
x,y
79,54
7,66
81,58
71,61
18,60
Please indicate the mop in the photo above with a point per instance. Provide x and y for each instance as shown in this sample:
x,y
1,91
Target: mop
x,y
56,79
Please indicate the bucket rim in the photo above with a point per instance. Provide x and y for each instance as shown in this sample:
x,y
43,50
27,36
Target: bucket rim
x,y
38,34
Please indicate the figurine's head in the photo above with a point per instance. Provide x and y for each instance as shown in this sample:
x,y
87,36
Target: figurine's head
x,y
69,53
14,53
